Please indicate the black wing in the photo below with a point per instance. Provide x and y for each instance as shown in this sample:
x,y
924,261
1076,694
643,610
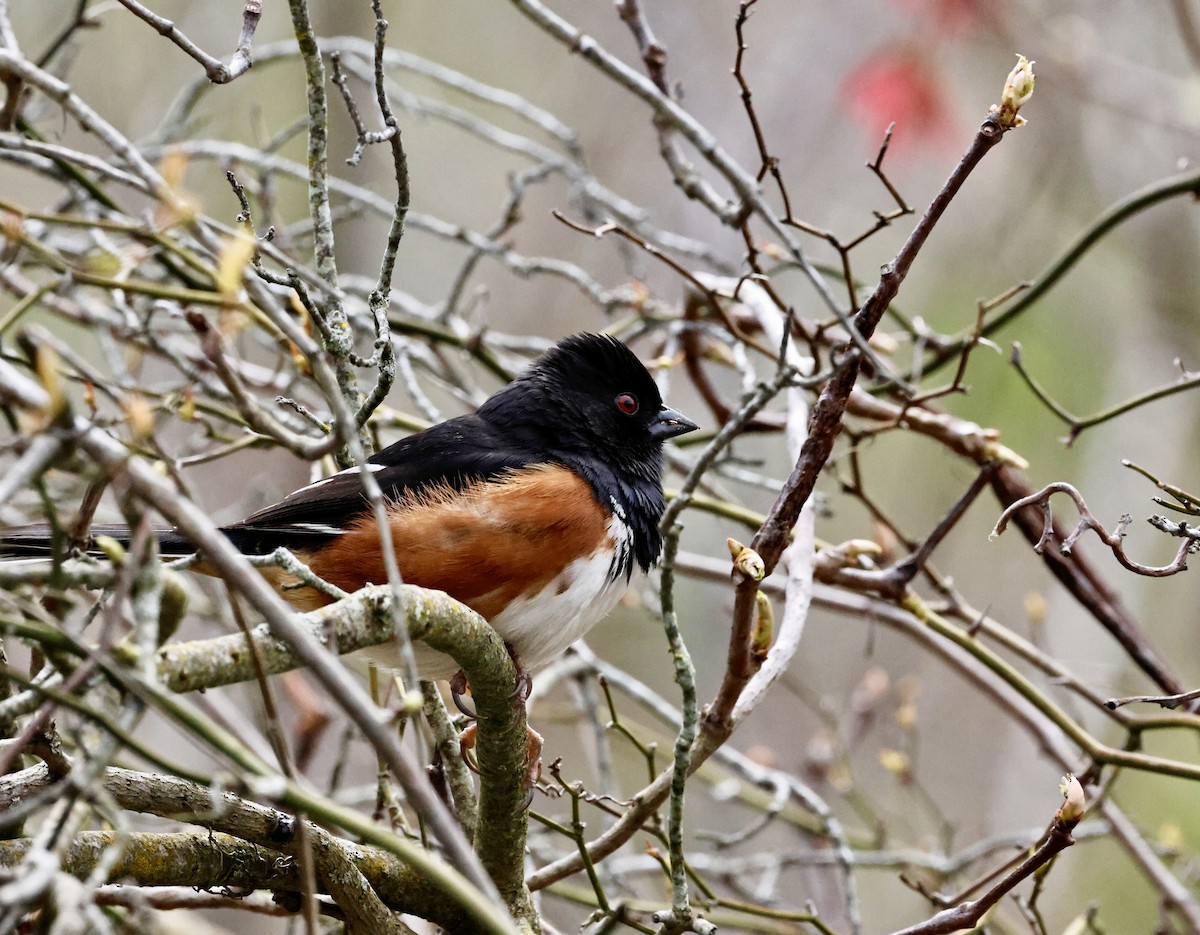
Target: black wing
x,y
455,453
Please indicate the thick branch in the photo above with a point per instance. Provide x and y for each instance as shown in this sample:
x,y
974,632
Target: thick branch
x,y
359,621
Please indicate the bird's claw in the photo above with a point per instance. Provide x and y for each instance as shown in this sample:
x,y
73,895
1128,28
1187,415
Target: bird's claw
x,y
533,756
524,680
460,695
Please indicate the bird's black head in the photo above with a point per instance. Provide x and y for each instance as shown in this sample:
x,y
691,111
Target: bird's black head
x,y
590,395
591,402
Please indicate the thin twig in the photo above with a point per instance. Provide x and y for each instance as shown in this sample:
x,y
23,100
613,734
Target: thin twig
x,y
1129,206
216,72
1115,540
1078,424
1171,702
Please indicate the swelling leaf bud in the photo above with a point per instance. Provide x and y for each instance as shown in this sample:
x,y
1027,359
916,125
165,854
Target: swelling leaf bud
x,y
746,562
1018,89
1075,805
764,627
110,548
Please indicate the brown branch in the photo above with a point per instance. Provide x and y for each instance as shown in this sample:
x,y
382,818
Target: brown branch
x,y
769,163
956,385
1114,540
892,582
257,419
824,426
1074,571
1084,582
1031,291
1056,839
690,342
1009,484
967,915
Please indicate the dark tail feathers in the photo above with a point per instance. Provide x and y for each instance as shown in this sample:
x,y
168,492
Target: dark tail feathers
x,y
35,541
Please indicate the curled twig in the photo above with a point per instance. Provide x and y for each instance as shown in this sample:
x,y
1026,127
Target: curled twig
x,y
1114,540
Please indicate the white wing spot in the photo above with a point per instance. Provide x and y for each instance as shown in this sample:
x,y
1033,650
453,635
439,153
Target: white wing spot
x,y
322,528
373,468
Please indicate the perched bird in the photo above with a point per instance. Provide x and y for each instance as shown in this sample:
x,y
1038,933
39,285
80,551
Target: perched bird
x,y
533,510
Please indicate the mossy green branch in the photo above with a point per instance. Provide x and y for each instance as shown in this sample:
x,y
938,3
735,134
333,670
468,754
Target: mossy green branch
x,y
195,858
364,620
205,859
358,622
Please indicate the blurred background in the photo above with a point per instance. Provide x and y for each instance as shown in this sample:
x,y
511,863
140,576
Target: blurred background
x,y
1116,107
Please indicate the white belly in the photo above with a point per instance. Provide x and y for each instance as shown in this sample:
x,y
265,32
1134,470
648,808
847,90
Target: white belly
x,y
540,626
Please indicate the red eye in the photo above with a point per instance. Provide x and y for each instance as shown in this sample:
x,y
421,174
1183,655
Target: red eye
x,y
627,403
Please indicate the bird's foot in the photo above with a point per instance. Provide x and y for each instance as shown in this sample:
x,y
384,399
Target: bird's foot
x,y
460,690
524,679
460,693
533,756
466,746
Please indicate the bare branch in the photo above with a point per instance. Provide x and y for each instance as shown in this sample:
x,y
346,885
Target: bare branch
x,y
1115,540
216,72
1057,839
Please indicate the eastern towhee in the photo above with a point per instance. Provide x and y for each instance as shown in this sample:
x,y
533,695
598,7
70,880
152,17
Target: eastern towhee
x,y
533,510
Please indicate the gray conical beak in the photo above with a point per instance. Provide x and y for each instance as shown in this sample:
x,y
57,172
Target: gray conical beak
x,y
669,423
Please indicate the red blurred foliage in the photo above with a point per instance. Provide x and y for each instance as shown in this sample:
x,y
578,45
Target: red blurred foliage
x,y
900,87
